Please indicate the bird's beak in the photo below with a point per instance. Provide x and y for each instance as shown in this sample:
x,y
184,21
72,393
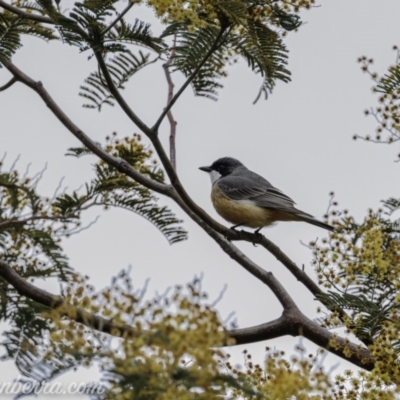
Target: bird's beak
x,y
206,169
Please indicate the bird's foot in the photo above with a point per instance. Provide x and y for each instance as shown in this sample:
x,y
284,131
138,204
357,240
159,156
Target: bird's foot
x,y
259,236
233,227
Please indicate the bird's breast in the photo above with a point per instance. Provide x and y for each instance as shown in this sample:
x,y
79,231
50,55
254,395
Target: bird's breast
x,y
243,212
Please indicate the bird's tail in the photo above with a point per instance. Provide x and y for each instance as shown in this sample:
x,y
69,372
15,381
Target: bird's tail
x,y
313,221
321,224
303,216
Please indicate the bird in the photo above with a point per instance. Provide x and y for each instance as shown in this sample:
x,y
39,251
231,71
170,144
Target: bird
x,y
245,198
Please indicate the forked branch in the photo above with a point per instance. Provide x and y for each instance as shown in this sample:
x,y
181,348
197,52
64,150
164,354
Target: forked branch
x,y
215,45
120,16
8,84
292,322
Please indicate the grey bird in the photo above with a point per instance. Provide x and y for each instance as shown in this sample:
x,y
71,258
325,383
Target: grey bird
x,y
245,198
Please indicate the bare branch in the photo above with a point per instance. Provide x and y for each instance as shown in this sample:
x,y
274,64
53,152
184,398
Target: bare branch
x,y
25,15
47,299
292,322
115,92
270,330
296,324
172,122
264,276
8,84
120,16
214,46
121,165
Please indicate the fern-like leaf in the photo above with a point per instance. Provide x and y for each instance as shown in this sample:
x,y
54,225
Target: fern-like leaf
x,y
112,189
190,49
139,33
235,11
10,40
390,83
259,45
370,314
121,67
266,50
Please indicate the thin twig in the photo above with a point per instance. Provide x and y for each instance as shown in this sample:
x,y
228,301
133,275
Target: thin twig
x,y
8,84
25,15
40,18
127,8
20,222
121,165
117,95
172,122
214,46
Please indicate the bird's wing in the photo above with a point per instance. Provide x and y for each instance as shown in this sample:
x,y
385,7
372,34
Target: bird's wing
x,y
255,188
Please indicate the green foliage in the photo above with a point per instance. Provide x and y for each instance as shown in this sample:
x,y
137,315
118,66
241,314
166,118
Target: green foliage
x,y
361,262
121,67
250,33
259,45
29,242
86,27
287,21
235,11
9,36
32,226
113,189
190,49
392,205
138,33
266,55
387,112
369,314
11,29
29,235
390,82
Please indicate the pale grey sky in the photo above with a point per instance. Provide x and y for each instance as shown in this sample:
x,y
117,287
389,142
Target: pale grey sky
x,y
300,139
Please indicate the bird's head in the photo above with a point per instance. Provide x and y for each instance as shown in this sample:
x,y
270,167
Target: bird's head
x,y
222,167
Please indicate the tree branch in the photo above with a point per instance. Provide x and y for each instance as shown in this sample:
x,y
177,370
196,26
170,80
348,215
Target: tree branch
x,y
120,16
296,324
214,46
25,15
302,277
52,301
172,121
292,322
231,234
115,92
8,84
18,222
264,276
121,165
